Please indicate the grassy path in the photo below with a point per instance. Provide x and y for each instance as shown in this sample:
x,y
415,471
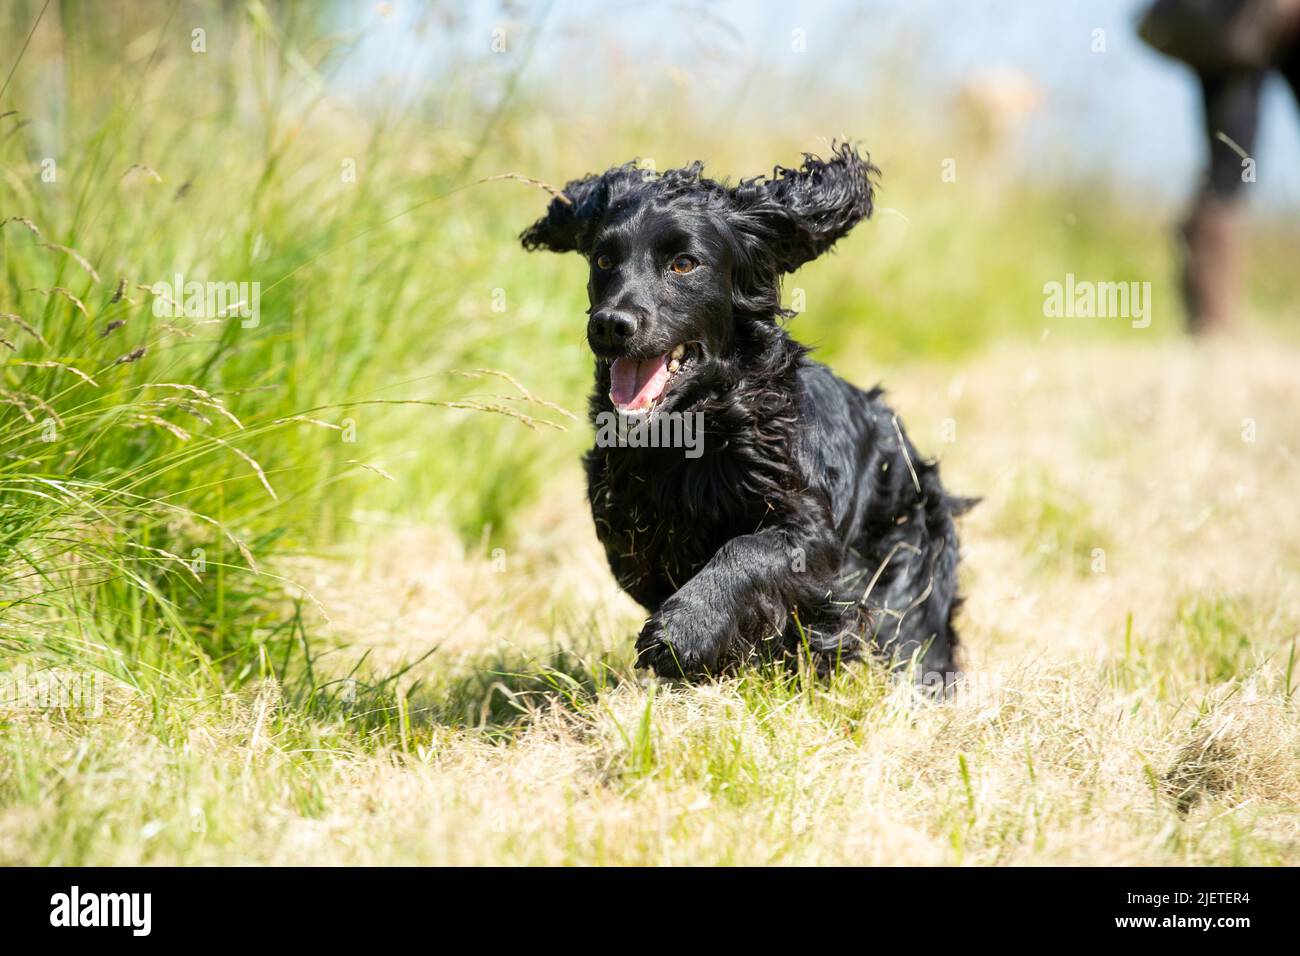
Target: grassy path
x,y
1134,600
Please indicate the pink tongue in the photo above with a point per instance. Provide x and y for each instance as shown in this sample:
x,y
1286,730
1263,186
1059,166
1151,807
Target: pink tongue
x,y
633,385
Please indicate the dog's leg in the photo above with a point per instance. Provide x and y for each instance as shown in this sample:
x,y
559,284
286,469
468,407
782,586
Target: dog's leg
x,y
745,592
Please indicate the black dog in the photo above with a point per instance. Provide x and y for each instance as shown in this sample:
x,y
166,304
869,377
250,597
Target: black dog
x,y
807,519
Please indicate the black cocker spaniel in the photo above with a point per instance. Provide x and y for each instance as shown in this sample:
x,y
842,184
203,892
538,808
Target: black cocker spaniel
x,y
798,515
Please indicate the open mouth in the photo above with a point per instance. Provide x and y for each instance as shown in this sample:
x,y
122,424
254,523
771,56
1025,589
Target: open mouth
x,y
638,386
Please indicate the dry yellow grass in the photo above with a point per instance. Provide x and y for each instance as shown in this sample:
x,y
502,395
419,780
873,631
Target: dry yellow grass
x,y
1133,601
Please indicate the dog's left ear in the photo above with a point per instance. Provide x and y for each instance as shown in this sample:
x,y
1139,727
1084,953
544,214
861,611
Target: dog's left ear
x,y
800,213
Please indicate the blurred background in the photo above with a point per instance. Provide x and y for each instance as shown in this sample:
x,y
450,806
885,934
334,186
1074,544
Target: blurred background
x,y
1074,84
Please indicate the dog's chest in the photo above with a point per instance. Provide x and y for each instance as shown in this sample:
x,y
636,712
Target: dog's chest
x,y
661,517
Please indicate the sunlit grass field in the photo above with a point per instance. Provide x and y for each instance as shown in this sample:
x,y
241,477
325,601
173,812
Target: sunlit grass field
x,y
333,571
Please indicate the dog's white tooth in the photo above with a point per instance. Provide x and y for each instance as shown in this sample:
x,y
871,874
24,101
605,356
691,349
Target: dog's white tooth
x,y
673,366
679,351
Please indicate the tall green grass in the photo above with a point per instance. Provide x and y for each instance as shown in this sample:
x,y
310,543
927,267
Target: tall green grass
x,y
152,465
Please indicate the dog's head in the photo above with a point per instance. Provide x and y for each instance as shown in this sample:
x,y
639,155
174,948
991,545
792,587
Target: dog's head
x,y
678,261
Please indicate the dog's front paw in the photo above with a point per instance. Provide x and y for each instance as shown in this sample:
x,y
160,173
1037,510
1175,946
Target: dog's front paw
x,y
681,641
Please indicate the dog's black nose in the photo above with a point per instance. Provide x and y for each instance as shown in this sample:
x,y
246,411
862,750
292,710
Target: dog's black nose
x,y
610,328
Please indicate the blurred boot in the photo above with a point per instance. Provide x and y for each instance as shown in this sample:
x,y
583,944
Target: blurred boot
x,y
1212,264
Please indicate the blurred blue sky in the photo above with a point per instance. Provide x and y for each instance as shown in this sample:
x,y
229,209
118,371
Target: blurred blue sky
x,y
1125,113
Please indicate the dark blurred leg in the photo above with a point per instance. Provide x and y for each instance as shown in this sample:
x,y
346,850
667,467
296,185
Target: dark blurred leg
x,y
1289,66
1212,234
1231,103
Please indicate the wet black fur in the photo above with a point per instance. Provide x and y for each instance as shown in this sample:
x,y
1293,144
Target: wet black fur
x,y
810,520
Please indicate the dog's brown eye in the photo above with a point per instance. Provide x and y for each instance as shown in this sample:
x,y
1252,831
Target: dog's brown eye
x,y
604,263
683,264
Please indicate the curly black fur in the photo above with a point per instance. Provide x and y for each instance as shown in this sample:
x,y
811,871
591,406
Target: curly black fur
x,y
809,520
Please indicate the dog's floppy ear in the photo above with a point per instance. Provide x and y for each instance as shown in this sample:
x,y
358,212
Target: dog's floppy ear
x,y
569,218
800,213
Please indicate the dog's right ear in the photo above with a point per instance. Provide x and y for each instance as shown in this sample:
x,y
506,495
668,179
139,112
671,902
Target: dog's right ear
x,y
569,219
